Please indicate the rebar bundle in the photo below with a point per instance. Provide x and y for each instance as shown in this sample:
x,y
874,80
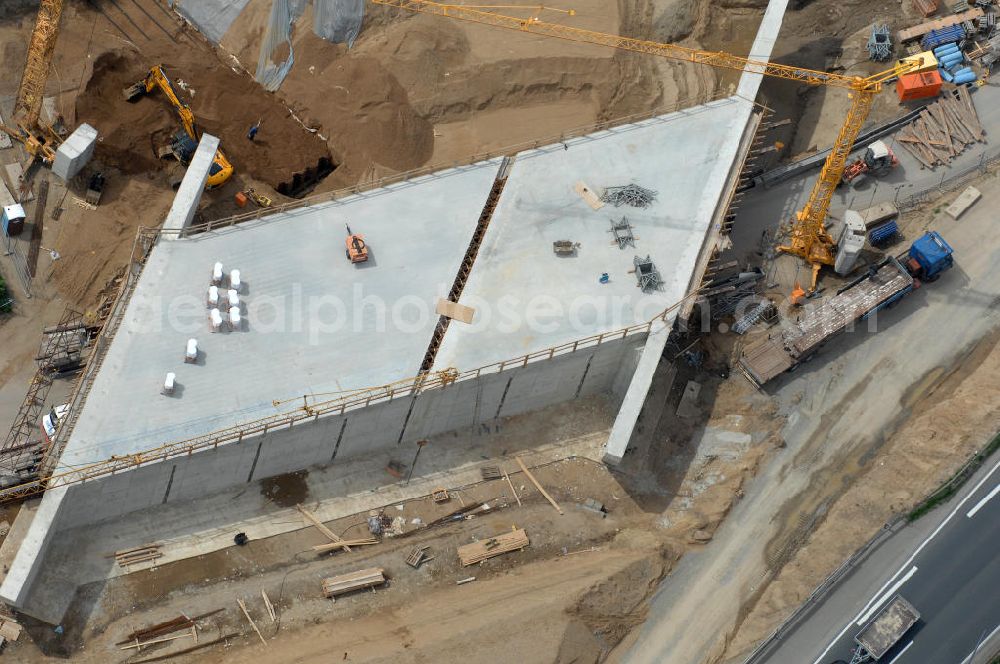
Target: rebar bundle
x,y
879,43
632,195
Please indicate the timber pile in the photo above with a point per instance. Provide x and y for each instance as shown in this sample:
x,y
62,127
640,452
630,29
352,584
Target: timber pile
x,y
477,552
943,130
344,544
142,554
345,583
9,629
158,633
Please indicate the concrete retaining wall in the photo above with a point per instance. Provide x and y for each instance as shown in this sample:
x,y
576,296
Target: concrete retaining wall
x,y
602,369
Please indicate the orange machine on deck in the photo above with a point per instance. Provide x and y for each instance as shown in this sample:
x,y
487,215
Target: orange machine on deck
x,y
357,250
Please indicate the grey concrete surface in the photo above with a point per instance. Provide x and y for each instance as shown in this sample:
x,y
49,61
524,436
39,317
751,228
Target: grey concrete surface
x,y
518,283
185,203
953,586
312,322
942,320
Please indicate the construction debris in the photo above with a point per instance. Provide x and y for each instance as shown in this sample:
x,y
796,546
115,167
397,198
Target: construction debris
x,y
344,544
141,554
880,43
440,495
943,129
588,195
418,556
622,230
512,489
565,247
246,613
490,472
158,630
462,582
646,274
9,629
268,606
632,195
345,583
541,489
477,552
332,536
143,644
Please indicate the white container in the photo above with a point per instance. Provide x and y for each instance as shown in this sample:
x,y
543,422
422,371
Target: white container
x,y
213,296
234,298
168,383
217,274
191,353
234,318
215,318
234,280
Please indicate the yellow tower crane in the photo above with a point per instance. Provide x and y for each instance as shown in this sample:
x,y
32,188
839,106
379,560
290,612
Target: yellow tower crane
x,y
809,239
39,141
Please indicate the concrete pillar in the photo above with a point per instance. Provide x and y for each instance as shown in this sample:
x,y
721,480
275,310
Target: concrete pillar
x,y
189,193
635,396
75,152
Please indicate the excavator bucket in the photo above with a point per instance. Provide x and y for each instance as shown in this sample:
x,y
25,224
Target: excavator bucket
x,y
135,91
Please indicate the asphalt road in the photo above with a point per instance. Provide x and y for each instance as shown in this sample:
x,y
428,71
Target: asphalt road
x,y
948,569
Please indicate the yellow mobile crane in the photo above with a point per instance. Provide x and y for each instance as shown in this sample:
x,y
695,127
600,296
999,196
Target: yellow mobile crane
x,y
40,142
185,142
809,239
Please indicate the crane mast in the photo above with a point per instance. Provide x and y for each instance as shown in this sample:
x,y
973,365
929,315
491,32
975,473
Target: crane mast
x,y
808,239
28,105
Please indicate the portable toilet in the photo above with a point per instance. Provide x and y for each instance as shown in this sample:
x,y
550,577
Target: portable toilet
x,y
13,220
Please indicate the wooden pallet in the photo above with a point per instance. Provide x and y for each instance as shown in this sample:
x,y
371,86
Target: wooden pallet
x,y
345,583
477,552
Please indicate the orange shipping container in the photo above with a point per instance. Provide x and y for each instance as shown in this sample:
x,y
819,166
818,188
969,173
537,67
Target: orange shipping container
x,y
918,86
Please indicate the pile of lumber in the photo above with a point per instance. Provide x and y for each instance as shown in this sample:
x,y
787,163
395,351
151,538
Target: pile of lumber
x,y
943,129
140,554
477,552
345,583
344,544
9,629
159,633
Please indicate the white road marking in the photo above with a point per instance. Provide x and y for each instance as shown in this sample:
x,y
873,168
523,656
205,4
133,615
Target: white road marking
x,y
982,502
886,595
900,653
980,645
919,549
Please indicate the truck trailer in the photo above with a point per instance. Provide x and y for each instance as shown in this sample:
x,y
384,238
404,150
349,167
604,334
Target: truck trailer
x,y
881,286
884,631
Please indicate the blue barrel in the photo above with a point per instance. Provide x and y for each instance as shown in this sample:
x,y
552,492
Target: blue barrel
x,y
965,76
949,61
942,51
946,76
935,38
883,233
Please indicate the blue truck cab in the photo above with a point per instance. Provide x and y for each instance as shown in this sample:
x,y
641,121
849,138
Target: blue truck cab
x,y
929,256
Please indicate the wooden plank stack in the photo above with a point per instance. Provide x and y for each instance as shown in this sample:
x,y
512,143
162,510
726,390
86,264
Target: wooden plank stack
x,y
345,583
159,632
147,553
9,629
943,129
477,552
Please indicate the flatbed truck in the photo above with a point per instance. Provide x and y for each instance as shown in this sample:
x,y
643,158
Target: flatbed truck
x,y
882,286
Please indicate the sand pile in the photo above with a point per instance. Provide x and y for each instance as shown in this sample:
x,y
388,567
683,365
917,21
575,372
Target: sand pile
x,y
224,102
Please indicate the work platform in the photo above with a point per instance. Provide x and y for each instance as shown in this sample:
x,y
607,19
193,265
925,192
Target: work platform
x,y
311,323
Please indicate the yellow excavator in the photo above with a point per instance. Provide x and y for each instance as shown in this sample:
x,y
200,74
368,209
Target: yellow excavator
x,y
185,142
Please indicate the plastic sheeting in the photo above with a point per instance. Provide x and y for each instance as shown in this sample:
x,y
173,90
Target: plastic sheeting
x,y
338,21
270,74
211,17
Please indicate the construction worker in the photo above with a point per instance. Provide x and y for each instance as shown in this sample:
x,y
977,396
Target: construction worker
x,y
252,134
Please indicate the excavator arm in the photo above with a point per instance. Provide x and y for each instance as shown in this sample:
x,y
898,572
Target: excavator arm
x,y
809,239
221,170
